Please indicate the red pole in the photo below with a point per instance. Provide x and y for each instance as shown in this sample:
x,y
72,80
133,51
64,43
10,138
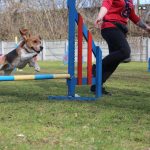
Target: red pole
x,y
89,59
80,48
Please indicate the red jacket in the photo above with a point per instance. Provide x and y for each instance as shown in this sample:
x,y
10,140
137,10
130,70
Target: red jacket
x,y
115,8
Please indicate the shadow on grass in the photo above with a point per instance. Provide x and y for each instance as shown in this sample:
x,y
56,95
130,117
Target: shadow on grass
x,y
39,91
29,91
127,99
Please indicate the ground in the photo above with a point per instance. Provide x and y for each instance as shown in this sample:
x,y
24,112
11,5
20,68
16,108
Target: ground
x,y
28,121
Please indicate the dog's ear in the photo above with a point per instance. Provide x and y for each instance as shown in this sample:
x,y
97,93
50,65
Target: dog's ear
x,y
23,33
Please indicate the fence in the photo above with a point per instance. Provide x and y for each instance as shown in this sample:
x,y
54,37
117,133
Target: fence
x,y
57,50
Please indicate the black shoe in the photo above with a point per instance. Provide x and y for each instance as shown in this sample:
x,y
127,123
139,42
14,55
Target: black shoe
x,y
127,60
104,92
93,88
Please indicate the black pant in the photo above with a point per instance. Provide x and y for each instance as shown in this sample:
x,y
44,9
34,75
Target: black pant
x,y
119,50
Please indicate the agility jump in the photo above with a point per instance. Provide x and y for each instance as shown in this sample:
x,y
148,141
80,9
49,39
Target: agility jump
x,y
75,18
72,81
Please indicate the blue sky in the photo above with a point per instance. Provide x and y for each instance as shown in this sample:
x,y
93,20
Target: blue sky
x,y
87,2
142,1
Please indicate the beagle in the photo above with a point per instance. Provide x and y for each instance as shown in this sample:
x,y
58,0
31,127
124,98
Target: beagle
x,y
24,54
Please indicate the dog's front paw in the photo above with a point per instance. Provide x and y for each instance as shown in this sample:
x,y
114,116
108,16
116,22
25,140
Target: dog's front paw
x,y
37,68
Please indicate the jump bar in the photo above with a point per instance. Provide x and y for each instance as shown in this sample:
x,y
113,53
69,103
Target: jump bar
x,y
34,77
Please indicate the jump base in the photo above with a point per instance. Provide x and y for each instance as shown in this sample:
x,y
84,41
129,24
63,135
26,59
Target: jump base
x,y
72,98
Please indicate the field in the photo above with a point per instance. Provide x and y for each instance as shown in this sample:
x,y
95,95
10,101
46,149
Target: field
x,y
28,121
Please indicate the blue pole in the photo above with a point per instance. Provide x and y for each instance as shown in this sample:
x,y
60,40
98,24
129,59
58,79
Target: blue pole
x,y
71,48
98,72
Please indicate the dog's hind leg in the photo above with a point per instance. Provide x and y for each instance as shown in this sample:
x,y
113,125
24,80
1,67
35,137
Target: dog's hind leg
x,y
7,68
8,72
4,67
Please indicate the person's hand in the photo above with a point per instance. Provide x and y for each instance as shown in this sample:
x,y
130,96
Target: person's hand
x,y
98,22
147,28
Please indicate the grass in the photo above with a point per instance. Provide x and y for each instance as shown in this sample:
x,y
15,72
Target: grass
x,y
28,121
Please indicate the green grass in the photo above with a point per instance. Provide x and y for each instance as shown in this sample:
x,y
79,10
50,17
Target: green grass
x,y
28,121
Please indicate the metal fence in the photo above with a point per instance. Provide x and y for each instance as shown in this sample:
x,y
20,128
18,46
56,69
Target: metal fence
x,y
57,50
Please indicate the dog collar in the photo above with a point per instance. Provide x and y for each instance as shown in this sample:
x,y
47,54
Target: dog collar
x,y
28,50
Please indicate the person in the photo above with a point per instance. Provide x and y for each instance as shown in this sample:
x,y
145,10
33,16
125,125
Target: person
x,y
112,20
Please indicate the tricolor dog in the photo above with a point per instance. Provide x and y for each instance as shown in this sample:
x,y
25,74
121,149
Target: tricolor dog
x,y
24,54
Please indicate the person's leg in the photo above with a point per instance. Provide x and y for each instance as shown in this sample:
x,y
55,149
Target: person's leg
x,y
107,71
119,50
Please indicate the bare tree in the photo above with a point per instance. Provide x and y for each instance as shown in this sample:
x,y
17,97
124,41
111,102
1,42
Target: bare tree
x,y
45,17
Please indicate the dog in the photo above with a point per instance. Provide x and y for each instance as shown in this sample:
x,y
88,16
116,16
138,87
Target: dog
x,y
25,53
